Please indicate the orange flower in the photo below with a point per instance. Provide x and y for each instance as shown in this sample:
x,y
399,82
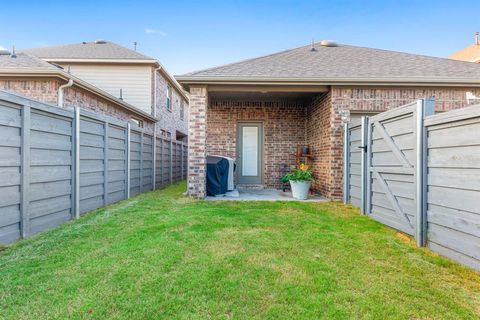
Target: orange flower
x,y
303,167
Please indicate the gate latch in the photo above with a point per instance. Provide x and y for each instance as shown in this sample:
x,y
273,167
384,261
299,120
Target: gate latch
x,y
363,147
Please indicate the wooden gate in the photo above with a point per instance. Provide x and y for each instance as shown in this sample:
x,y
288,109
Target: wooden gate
x,y
393,152
354,164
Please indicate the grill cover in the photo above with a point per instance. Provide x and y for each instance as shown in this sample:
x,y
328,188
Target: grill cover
x,y
217,175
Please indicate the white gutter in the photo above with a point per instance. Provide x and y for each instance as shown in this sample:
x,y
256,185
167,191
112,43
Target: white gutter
x,y
119,61
154,113
186,81
60,92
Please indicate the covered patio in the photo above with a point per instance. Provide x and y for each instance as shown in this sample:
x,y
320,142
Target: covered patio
x,y
263,128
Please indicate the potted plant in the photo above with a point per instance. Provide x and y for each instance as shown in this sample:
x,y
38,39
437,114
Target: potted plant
x,y
300,180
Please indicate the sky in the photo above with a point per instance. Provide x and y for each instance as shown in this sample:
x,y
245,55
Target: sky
x,y
192,35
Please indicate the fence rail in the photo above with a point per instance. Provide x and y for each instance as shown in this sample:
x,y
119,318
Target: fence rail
x,y
56,164
419,173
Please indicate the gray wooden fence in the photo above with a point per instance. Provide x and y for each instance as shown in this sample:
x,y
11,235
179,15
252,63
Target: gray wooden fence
x,y
56,164
420,175
453,200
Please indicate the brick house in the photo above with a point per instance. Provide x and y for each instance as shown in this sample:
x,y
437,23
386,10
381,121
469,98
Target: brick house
x,y
262,108
127,74
34,78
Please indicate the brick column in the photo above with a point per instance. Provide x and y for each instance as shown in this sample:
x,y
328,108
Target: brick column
x,y
338,112
197,139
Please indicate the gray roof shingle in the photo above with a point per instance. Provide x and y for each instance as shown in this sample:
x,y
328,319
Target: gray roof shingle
x,y
342,62
24,61
87,50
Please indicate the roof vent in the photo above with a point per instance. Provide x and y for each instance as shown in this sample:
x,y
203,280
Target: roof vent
x,y
100,41
4,52
328,43
13,55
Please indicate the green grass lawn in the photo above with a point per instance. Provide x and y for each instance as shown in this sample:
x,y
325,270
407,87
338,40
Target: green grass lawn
x,y
161,255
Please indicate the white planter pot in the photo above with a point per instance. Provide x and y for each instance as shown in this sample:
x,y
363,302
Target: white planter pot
x,y
300,189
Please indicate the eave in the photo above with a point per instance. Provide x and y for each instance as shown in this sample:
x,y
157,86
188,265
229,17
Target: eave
x,y
187,81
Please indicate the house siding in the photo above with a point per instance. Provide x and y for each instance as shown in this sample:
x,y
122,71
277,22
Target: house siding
x,y
134,80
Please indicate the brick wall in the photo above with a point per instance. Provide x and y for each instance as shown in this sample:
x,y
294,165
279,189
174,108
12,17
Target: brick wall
x,y
283,126
77,97
46,90
344,100
319,138
197,144
170,121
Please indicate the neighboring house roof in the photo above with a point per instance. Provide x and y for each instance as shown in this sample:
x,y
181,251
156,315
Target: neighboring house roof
x,y
24,61
470,53
341,64
88,50
100,51
24,65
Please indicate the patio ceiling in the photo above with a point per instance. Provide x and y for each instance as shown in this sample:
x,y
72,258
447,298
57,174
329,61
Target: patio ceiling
x,y
264,91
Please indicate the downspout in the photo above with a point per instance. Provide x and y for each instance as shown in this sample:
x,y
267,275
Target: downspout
x,y
60,92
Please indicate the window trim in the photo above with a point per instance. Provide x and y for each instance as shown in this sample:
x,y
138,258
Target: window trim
x,y
169,98
182,109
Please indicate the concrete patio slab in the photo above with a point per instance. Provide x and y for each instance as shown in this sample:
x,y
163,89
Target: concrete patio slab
x,y
262,195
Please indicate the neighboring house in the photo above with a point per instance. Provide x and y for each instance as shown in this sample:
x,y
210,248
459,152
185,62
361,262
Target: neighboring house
x,y
470,53
127,74
34,78
258,110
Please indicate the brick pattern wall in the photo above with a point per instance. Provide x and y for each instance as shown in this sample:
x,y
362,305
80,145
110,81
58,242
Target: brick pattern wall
x,y
197,141
382,99
283,126
170,121
319,138
344,100
46,90
77,97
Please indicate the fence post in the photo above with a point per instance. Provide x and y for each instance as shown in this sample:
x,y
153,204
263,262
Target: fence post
x,y
171,160
346,163
181,161
161,161
425,107
76,163
105,163
25,173
154,156
128,160
141,162
367,173
365,146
